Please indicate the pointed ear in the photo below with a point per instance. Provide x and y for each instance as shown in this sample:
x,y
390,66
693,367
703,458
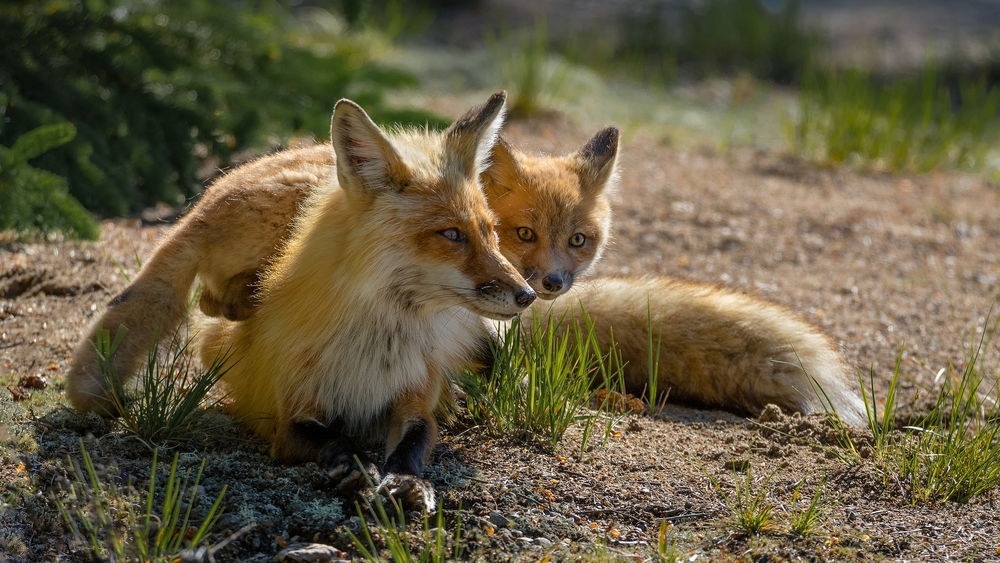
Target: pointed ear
x,y
503,170
469,141
596,161
366,159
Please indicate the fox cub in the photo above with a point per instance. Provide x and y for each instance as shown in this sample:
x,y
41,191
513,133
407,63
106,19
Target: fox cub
x,y
554,211
716,347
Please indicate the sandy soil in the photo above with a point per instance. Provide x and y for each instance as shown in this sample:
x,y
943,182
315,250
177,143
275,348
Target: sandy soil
x,y
883,263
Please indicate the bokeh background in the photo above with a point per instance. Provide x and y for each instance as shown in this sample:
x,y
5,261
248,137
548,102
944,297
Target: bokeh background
x,y
110,108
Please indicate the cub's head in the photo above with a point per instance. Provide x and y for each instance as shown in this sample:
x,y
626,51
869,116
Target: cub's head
x,y
554,214
426,233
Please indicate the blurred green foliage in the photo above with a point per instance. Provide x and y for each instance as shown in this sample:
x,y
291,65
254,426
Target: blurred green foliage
x,y
912,123
658,41
33,200
154,86
730,35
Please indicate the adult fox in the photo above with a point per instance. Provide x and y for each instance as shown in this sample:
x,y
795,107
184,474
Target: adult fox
x,y
375,300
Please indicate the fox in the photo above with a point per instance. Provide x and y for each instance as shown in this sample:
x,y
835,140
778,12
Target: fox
x,y
377,297
554,211
716,347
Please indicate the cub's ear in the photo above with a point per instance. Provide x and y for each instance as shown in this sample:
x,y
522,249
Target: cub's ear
x,y
469,141
366,158
597,160
502,174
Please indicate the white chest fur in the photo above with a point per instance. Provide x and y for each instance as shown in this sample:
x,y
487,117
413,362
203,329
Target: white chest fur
x,y
368,362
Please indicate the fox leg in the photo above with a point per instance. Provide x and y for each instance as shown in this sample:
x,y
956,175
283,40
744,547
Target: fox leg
x,y
310,440
238,299
412,435
151,307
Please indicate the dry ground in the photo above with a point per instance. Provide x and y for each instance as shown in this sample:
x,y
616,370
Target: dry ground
x,y
881,262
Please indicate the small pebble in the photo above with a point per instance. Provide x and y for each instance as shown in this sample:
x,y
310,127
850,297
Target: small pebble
x,y
311,553
499,520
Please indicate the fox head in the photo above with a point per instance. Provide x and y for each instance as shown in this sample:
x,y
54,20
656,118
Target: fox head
x,y
427,229
554,213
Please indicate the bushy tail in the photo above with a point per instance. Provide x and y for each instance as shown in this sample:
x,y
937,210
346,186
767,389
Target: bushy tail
x,y
716,347
151,307
833,394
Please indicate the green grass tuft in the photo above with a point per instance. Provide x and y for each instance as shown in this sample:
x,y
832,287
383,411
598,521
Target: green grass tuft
x,y
750,510
666,546
540,380
383,523
114,524
807,521
952,453
171,395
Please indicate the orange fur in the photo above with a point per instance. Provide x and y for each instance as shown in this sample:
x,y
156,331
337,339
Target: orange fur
x,y
225,241
377,295
716,347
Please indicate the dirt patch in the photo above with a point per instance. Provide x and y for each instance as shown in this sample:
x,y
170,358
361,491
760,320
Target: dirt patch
x,y
883,263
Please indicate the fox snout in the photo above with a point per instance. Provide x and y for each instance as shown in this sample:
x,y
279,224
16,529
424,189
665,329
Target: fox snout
x,y
524,297
503,300
553,283
549,285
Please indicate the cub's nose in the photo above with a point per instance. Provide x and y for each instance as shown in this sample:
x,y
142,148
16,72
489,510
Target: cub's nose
x,y
552,282
524,297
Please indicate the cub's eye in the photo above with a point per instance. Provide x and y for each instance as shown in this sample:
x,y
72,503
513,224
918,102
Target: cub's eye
x,y
525,234
454,235
578,240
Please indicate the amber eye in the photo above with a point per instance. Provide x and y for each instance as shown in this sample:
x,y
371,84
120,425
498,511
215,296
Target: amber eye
x,y
578,240
525,234
453,235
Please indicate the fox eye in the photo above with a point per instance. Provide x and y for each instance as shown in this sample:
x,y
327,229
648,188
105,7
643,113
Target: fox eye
x,y
578,240
454,235
525,234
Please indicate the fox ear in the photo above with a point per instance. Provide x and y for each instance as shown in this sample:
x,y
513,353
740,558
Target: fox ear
x,y
470,140
366,159
503,170
597,160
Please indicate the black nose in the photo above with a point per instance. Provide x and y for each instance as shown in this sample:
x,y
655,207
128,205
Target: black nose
x,y
553,282
524,297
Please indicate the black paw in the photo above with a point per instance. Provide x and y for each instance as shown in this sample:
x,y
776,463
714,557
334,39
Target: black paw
x,y
410,491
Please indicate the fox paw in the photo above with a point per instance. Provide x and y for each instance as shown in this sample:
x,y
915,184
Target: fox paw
x,y
412,492
348,477
348,471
